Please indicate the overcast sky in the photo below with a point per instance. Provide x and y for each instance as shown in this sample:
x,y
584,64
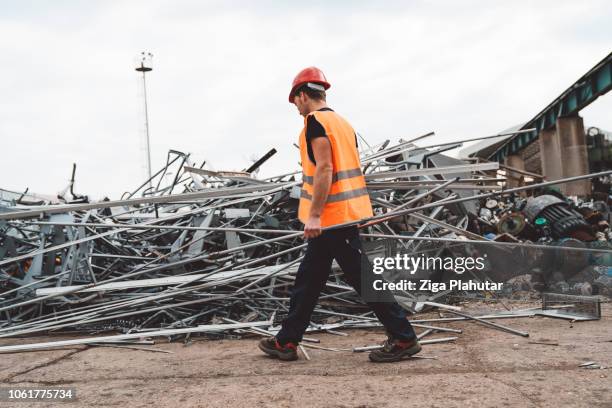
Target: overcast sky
x,y
222,73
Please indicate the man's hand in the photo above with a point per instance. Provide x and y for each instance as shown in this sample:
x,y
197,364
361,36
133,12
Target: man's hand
x,y
312,228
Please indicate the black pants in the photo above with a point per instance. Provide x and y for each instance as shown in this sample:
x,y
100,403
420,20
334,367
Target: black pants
x,y
344,246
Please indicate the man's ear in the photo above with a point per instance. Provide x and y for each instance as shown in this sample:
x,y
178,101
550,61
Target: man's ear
x,y
303,97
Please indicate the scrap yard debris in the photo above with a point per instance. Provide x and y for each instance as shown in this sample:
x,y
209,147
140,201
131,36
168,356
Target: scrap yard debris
x,y
214,252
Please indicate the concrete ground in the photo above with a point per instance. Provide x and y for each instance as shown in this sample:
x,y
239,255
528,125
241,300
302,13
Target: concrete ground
x,y
483,368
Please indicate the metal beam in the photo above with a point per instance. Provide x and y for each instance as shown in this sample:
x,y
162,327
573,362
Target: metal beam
x,y
197,195
434,170
159,333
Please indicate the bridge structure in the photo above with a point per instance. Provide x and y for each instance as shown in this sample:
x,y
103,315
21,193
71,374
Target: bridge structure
x,y
559,132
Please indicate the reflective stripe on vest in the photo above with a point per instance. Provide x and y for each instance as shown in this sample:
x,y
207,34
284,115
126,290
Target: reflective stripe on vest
x,y
333,198
341,175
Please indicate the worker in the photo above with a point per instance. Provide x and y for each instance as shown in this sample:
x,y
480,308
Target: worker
x,y
333,192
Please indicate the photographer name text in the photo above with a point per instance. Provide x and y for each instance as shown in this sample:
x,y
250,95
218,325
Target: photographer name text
x,y
428,285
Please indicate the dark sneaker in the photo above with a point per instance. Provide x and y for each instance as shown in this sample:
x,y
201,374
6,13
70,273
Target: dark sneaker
x,y
271,346
395,350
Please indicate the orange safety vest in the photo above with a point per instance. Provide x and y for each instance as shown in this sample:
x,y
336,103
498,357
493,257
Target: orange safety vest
x,y
348,198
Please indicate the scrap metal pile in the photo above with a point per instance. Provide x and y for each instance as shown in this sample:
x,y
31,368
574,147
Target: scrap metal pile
x,y
553,220
196,250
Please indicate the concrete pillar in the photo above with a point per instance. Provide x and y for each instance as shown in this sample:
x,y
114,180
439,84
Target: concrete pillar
x,y
563,153
550,155
514,179
575,158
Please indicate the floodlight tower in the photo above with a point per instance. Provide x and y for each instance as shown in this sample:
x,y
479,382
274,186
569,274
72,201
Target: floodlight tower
x,y
145,65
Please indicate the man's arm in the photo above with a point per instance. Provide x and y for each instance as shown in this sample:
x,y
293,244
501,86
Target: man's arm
x,y
322,151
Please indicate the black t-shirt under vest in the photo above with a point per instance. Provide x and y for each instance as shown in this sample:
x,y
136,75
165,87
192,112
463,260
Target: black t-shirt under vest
x,y
313,130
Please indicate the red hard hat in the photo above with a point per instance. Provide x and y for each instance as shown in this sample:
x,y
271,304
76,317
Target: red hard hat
x,y
308,75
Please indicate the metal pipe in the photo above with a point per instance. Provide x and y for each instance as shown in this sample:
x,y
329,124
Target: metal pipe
x,y
491,324
216,193
384,217
159,333
161,227
485,242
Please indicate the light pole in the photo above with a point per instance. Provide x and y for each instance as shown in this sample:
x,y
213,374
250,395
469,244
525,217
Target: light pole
x,y
145,65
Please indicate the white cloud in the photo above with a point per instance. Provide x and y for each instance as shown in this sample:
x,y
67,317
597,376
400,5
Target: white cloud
x,y
222,71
